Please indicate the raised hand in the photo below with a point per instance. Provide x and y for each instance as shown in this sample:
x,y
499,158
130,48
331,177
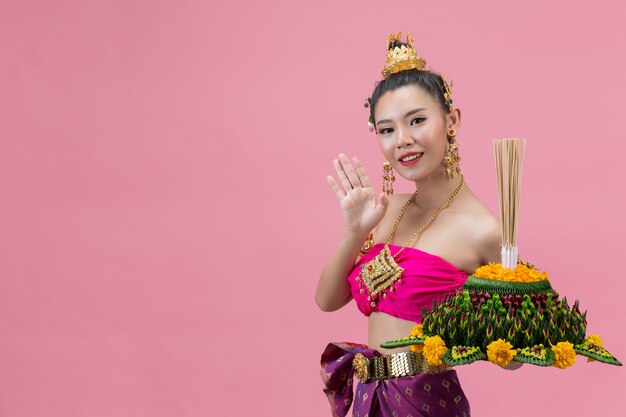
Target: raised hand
x,y
362,208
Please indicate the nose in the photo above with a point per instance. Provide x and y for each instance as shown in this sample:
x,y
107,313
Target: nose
x,y
404,136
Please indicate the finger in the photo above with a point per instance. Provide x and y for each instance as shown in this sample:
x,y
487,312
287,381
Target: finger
x,y
350,172
382,202
360,170
333,185
347,186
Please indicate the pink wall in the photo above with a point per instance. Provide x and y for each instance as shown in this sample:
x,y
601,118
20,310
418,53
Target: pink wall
x,y
164,213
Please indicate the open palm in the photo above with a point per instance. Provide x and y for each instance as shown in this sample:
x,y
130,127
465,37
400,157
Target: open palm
x,y
362,208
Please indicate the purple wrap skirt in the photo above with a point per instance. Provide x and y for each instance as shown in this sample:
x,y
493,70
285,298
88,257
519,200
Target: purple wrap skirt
x,y
428,394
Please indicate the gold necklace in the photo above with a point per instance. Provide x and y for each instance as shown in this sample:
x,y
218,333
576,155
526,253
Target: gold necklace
x,y
379,274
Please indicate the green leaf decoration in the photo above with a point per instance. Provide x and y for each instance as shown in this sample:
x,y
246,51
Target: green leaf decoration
x,y
462,355
506,287
405,341
596,352
536,355
529,315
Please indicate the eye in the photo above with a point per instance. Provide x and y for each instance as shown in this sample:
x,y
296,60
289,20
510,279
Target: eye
x,y
389,130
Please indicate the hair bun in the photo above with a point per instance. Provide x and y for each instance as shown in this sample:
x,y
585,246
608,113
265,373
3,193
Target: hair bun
x,y
396,44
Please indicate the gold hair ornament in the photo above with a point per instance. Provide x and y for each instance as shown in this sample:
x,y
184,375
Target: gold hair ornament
x,y
447,92
400,58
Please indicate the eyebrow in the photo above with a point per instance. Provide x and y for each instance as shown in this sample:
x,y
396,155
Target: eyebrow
x,y
406,115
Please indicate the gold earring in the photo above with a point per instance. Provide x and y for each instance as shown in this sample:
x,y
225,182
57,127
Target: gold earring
x,y
388,178
452,157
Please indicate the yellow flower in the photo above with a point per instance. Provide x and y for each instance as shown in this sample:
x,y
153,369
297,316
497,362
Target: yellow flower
x,y
417,348
500,352
521,273
491,270
595,339
434,348
564,354
417,330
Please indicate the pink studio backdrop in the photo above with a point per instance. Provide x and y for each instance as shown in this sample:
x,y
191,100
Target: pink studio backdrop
x,y
164,213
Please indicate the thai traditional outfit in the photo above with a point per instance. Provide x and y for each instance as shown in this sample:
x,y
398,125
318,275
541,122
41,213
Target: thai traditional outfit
x,y
426,277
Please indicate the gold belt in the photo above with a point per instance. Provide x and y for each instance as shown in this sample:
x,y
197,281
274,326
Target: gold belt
x,y
393,366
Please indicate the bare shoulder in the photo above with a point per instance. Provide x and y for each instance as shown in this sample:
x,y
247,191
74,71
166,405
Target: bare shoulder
x,y
484,231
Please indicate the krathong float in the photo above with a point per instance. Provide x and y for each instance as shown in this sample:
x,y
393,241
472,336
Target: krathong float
x,y
505,311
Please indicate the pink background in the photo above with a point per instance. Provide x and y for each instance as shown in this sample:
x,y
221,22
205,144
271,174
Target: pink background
x,y
164,213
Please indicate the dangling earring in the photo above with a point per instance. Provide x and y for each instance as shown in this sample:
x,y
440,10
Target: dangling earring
x,y
388,178
451,157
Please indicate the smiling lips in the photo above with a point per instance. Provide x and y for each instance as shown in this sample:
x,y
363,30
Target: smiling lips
x,y
410,158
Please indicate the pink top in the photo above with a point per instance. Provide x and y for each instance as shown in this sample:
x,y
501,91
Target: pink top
x,y
425,277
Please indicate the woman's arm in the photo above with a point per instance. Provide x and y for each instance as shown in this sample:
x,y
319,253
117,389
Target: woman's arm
x,y
362,209
333,289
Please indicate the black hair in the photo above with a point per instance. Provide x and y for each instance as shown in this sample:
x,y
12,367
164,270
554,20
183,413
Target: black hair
x,y
431,82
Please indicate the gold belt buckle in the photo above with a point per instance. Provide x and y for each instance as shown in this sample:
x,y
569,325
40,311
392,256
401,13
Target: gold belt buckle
x,y
361,366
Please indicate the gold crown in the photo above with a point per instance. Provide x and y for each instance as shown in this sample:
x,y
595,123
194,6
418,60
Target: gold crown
x,y
403,57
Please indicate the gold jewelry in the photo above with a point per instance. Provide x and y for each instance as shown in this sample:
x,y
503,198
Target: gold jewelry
x,y
447,92
452,157
382,273
394,365
361,365
368,244
370,120
403,57
388,178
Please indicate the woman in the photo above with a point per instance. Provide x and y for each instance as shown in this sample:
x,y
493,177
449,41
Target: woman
x,y
436,237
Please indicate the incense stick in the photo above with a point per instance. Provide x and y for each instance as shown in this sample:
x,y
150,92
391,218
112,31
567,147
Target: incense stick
x,y
508,158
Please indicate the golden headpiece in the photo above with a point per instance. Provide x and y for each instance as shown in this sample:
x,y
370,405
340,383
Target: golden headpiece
x,y
404,57
400,58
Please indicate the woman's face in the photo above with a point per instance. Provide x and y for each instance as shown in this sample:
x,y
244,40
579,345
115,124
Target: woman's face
x,y
409,120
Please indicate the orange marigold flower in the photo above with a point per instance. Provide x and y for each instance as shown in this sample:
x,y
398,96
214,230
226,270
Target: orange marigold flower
x,y
595,339
564,354
434,348
500,352
521,273
417,348
417,330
